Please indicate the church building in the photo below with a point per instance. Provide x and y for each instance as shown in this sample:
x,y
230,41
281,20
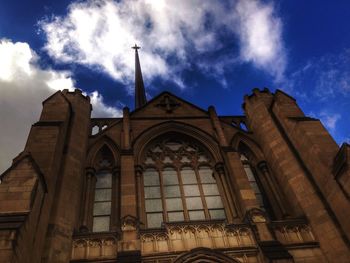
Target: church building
x,y
169,182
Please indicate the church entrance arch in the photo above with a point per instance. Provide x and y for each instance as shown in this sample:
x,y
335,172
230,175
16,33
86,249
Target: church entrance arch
x,y
204,255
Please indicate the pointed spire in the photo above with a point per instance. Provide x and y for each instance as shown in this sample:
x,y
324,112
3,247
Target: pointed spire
x,y
140,95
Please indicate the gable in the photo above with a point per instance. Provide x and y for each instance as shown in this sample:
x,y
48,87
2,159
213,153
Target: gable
x,y
168,105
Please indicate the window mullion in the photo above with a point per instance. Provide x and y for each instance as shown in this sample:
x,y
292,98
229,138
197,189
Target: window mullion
x,y
162,195
143,201
225,196
206,211
252,179
188,190
182,194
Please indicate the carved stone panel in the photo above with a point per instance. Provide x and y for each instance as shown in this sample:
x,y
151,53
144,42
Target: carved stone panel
x,y
184,237
94,247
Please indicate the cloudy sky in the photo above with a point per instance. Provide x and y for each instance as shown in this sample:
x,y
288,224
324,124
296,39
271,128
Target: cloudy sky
x,y
208,52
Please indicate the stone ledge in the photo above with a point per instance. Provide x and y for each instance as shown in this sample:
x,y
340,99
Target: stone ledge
x,y
12,221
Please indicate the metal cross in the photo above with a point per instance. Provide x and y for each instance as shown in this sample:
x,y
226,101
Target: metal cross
x,y
136,47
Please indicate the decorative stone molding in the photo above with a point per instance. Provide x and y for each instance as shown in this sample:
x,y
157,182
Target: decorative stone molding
x,y
184,237
129,223
168,104
256,215
94,246
293,232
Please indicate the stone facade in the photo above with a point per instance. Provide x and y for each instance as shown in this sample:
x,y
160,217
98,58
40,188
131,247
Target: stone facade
x,y
283,184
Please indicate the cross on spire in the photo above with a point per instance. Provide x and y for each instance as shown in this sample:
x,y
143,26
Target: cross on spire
x,y
140,94
136,47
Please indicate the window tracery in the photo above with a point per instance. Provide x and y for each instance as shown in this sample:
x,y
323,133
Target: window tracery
x,y
178,184
100,197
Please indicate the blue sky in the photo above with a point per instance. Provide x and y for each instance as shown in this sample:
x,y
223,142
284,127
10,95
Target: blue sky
x,y
208,52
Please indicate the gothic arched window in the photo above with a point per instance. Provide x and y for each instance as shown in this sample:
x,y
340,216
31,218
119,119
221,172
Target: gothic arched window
x,y
179,185
100,209
253,181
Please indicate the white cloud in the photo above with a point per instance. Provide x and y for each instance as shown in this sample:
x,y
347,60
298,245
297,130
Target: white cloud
x,y
99,34
330,119
14,60
100,109
323,78
260,33
23,86
332,82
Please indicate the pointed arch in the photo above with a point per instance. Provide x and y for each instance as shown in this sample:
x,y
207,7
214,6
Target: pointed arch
x,y
244,144
105,143
100,209
208,141
206,255
260,177
178,181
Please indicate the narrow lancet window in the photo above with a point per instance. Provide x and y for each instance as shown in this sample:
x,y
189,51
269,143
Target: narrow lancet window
x,y
102,202
253,181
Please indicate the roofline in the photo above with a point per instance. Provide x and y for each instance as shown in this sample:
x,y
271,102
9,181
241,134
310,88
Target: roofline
x,y
171,94
17,160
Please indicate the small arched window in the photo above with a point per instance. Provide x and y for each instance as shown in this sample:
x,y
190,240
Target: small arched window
x,y
253,181
179,184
